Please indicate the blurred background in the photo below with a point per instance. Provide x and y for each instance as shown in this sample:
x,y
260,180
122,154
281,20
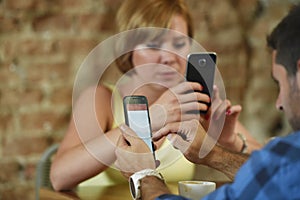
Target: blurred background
x,y
43,43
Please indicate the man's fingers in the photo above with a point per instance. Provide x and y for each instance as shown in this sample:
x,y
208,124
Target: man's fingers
x,y
122,141
178,142
128,133
169,128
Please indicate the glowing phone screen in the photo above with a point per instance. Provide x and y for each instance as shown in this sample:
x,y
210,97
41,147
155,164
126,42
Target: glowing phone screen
x,y
138,120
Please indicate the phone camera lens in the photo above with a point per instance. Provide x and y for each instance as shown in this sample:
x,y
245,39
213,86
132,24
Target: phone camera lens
x,y
202,62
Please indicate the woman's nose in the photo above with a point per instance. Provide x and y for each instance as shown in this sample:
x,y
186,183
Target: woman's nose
x,y
167,57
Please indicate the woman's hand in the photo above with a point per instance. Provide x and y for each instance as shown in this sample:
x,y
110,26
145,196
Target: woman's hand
x,y
229,134
180,103
223,110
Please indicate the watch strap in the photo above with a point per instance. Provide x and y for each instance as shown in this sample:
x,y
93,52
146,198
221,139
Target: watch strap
x,y
135,184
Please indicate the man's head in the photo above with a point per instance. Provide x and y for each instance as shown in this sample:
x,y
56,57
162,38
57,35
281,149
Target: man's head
x,y
285,43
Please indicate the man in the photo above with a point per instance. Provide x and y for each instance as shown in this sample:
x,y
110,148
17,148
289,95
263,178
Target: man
x,y
270,173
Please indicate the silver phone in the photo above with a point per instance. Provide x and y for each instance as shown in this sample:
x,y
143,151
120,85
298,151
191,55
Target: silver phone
x,y
137,117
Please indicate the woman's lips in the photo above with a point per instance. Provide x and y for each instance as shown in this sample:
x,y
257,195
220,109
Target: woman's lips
x,y
168,75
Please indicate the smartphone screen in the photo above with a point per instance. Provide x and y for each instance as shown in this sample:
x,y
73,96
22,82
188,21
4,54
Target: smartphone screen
x,y
137,118
201,69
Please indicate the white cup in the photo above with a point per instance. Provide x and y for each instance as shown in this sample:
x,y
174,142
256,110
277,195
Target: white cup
x,y
195,190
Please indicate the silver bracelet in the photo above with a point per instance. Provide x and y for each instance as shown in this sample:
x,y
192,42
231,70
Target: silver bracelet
x,y
244,139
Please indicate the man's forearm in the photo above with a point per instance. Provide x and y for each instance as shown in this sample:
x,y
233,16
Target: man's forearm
x,y
153,187
225,161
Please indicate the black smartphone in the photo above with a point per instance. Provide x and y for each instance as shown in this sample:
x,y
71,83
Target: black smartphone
x,y
201,68
137,117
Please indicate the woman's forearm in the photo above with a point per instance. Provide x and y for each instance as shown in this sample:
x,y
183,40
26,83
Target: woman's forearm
x,y
73,167
83,161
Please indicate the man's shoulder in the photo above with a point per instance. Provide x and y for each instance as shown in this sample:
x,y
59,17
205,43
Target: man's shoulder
x,y
276,163
285,142
282,149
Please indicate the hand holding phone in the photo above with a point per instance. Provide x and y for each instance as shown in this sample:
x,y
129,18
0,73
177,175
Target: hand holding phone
x,y
137,117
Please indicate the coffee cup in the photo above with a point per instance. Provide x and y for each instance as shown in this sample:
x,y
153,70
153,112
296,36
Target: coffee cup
x,y
195,189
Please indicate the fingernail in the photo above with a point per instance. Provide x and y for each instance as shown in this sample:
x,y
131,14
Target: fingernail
x,y
206,117
228,112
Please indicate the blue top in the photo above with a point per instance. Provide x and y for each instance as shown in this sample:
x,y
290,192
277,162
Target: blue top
x,y
270,173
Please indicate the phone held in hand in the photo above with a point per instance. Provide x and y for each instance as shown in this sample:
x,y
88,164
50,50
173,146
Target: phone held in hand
x,y
201,69
137,117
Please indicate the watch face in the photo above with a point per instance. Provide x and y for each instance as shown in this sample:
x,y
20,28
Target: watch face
x,y
132,188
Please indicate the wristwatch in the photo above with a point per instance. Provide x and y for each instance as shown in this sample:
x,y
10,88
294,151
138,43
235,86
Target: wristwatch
x,y
135,184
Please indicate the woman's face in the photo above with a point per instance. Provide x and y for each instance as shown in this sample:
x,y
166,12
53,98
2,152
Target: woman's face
x,y
163,60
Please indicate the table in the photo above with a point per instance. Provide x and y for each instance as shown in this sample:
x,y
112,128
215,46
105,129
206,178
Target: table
x,y
114,192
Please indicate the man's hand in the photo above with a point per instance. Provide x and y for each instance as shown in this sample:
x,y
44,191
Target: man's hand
x,y
186,136
191,139
132,153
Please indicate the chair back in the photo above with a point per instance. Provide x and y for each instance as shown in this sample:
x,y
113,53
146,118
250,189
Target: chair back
x,y
43,170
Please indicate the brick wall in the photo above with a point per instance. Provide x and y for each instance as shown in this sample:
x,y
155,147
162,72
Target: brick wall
x,y
42,44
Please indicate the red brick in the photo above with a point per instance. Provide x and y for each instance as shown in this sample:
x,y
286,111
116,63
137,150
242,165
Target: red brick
x,y
9,24
74,4
223,43
9,170
41,121
50,22
62,96
222,10
35,46
10,97
233,71
91,22
6,120
112,5
235,93
47,6
48,71
20,4
10,50
246,9
31,96
17,191
24,145
107,24
8,75
77,45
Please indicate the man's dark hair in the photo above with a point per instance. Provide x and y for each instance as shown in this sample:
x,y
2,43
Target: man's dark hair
x,y
285,38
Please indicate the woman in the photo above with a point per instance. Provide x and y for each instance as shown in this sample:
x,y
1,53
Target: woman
x,y
155,69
